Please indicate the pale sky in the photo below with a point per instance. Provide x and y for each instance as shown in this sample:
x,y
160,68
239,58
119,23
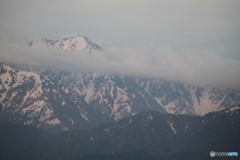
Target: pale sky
x,y
201,26
204,24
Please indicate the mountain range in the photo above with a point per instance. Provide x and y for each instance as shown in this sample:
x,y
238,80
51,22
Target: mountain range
x,y
59,100
48,114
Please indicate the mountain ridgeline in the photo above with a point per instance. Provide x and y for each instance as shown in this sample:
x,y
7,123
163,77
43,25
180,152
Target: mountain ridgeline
x,y
52,114
67,44
147,135
60,100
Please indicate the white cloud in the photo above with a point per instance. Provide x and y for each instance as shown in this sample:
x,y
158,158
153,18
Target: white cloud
x,y
196,67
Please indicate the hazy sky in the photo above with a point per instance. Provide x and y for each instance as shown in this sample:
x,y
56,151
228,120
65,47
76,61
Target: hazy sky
x,y
204,24
187,33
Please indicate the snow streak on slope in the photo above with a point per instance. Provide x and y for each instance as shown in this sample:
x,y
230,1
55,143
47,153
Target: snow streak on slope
x,y
68,100
172,128
22,94
30,98
112,96
213,99
177,98
117,95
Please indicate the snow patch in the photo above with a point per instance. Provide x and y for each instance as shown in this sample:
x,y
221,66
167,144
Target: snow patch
x,y
150,117
63,103
46,114
72,121
84,117
171,126
53,121
65,129
29,122
234,108
89,91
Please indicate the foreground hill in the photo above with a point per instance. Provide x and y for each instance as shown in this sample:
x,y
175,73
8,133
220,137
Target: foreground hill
x,y
155,135
24,142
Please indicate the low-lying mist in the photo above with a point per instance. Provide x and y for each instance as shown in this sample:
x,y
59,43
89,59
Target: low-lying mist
x,y
191,66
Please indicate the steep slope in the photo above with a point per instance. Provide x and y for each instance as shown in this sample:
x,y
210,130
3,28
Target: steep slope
x,y
121,96
67,44
111,96
33,99
178,98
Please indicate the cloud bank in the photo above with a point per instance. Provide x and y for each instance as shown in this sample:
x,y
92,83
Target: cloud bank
x,y
190,66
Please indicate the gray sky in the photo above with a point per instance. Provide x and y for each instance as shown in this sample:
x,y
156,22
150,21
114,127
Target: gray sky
x,y
200,29
202,24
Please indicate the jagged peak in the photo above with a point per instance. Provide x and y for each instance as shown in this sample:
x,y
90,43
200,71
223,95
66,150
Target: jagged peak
x,y
7,67
68,44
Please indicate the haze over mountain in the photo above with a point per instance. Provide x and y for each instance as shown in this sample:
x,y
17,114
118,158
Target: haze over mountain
x,y
164,85
176,40
91,98
194,67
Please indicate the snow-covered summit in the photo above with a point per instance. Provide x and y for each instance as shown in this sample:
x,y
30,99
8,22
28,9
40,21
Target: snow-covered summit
x,y
68,44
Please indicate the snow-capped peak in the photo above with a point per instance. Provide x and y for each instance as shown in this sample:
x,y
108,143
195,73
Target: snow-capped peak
x,y
68,44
